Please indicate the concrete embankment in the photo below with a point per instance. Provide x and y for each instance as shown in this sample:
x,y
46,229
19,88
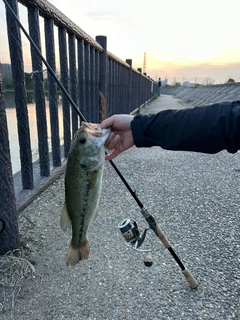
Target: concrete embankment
x,y
204,95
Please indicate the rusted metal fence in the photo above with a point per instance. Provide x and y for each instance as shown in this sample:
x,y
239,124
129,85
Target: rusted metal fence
x,y
90,73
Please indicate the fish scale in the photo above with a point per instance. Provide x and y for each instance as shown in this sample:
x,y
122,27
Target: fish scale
x,y
84,215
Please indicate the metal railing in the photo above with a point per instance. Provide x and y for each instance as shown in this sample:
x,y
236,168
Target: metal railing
x,y
98,82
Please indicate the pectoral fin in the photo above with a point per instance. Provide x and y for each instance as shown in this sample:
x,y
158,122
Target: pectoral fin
x,y
65,221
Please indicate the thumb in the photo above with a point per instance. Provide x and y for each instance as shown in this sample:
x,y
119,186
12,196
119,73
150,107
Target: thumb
x,y
106,123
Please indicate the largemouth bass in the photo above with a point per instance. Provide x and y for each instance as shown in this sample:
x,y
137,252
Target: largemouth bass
x,y
83,180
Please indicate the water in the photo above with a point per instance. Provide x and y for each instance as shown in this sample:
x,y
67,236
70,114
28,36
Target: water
x,y
12,127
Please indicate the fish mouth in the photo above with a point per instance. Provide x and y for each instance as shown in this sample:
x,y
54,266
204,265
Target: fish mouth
x,y
94,129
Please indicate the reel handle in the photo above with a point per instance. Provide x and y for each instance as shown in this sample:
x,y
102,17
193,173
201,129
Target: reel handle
x,y
148,260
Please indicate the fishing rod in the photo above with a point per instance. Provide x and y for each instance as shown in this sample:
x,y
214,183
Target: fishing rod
x,y
127,227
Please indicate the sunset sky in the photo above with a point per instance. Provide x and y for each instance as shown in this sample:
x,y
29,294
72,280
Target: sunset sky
x,y
183,40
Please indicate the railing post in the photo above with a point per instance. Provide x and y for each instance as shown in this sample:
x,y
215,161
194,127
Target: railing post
x,y
52,93
62,37
129,93
34,31
114,107
133,98
81,75
93,98
73,79
103,67
9,234
146,91
86,112
110,85
126,89
140,88
15,48
117,79
99,116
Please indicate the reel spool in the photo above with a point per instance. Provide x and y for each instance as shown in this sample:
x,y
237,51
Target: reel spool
x,y
129,230
130,233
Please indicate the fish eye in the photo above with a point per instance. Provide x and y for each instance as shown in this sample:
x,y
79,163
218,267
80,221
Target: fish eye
x,y
82,140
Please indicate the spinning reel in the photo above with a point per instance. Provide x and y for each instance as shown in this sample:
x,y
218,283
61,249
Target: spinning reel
x,y
131,234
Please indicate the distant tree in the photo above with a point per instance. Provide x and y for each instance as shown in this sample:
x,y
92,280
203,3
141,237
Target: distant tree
x,y
8,86
208,81
7,83
196,85
230,80
177,84
28,81
45,84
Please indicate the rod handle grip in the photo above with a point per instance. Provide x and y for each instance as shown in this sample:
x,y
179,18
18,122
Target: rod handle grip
x,y
162,237
190,279
159,233
148,260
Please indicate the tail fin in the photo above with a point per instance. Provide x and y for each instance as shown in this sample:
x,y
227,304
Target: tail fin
x,y
75,254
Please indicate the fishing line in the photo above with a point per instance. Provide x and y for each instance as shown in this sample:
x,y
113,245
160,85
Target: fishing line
x,y
129,230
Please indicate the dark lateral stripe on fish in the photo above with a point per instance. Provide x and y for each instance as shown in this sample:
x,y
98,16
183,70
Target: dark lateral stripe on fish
x,y
91,184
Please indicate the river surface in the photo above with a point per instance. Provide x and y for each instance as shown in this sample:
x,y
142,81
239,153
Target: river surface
x,y
12,127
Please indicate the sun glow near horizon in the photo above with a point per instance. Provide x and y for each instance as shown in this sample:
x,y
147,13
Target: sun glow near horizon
x,y
190,39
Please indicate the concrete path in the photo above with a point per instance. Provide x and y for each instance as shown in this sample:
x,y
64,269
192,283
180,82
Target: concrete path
x,y
196,200
162,103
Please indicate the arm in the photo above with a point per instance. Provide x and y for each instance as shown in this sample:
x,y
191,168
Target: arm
x,y
207,129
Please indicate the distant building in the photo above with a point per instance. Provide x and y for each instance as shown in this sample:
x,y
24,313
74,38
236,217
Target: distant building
x,y
7,72
164,82
188,84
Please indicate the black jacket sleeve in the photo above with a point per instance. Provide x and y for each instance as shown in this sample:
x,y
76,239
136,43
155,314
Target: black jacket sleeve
x,y
207,129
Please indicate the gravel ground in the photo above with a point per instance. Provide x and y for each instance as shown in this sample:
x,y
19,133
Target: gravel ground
x,y
196,200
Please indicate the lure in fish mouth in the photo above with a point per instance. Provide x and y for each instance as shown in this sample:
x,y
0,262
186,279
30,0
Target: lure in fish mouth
x,y
83,181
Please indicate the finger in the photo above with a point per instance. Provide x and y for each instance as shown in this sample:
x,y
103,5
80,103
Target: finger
x,y
112,141
107,123
112,155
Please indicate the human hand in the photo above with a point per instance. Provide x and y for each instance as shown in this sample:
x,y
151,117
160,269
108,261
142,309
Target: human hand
x,y
120,138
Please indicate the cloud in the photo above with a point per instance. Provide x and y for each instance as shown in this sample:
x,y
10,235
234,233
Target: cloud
x,y
219,73
102,15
